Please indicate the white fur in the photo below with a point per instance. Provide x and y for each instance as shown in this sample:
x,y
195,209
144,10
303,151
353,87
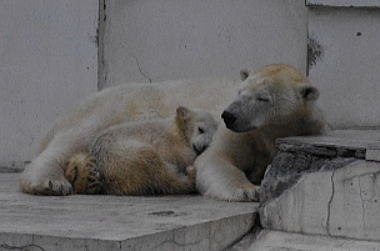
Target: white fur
x,y
74,130
238,157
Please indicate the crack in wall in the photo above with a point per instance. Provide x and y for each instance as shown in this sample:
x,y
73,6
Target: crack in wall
x,y
26,247
102,64
141,71
363,201
330,202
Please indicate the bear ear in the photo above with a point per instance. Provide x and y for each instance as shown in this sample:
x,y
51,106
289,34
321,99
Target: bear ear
x,y
309,93
183,112
244,74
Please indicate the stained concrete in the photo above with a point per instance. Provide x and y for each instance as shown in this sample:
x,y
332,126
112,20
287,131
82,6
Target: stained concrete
x,y
342,202
281,241
321,185
81,222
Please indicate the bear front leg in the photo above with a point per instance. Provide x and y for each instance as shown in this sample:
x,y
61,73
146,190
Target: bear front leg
x,y
45,174
217,178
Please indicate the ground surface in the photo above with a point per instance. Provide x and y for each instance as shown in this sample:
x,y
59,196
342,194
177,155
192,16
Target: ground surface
x,y
282,241
307,204
82,222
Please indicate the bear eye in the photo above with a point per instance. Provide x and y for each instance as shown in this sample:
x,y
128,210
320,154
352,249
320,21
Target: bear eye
x,y
201,130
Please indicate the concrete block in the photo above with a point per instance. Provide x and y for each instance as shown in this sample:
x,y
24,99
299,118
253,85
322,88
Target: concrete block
x,y
283,241
82,222
343,3
298,156
373,152
329,192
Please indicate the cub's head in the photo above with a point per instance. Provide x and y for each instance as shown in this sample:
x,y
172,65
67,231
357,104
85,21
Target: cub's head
x,y
271,96
198,127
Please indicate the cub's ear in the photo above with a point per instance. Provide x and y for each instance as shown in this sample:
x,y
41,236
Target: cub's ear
x,y
244,74
308,92
183,112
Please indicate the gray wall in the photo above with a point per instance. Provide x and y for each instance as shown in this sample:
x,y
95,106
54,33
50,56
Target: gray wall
x,y
48,61
155,40
345,64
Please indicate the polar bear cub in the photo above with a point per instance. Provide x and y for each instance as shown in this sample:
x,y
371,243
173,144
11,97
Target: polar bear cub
x,y
145,157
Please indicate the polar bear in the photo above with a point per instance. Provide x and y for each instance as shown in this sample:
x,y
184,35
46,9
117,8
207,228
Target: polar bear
x,y
144,157
74,130
276,101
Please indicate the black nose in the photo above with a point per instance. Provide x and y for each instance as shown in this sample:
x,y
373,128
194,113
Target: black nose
x,y
199,149
228,118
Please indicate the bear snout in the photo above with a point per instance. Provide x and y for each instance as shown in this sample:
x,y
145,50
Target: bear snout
x,y
199,149
229,118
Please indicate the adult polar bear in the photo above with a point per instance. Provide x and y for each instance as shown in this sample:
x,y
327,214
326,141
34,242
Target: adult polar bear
x,y
276,101
73,131
225,170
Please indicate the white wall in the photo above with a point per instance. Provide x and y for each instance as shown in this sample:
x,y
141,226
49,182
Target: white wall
x,y
155,40
48,61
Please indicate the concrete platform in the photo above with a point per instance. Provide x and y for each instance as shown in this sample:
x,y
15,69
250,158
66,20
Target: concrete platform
x,y
82,222
324,185
337,143
281,241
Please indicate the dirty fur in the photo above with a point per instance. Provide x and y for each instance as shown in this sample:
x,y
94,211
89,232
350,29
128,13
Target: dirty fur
x,y
143,158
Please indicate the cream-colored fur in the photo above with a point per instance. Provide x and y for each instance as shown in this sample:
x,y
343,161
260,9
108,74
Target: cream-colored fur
x,y
147,157
276,101
73,131
233,160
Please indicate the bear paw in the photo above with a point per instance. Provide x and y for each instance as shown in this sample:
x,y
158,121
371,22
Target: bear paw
x,y
41,181
57,187
49,186
82,174
247,193
243,193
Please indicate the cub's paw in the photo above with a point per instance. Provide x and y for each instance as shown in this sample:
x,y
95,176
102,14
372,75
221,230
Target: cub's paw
x,y
82,174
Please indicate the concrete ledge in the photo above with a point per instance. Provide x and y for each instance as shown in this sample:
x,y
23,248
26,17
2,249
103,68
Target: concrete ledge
x,y
83,222
282,241
323,185
343,3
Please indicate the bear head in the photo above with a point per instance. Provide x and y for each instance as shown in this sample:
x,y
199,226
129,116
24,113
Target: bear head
x,y
276,95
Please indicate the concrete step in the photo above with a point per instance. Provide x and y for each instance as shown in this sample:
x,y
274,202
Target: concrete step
x,y
324,185
82,222
267,240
